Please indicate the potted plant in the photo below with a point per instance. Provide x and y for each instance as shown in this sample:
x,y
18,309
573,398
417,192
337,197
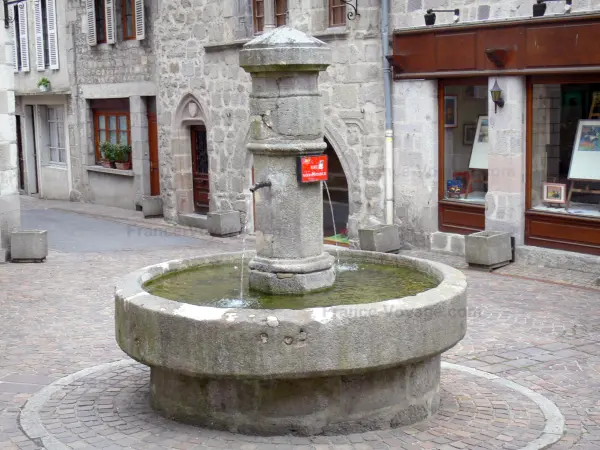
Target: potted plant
x,y
122,156
44,84
107,149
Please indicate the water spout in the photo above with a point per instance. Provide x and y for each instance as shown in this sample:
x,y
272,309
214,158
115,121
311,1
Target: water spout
x,y
260,184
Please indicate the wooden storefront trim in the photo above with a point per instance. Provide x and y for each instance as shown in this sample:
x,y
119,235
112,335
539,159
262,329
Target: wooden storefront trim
x,y
530,46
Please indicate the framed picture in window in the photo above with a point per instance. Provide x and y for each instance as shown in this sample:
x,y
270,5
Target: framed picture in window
x,y
469,130
555,193
450,111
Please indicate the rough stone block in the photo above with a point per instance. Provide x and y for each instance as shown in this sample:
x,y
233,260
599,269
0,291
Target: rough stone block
x,y
439,241
224,223
385,238
488,249
29,245
152,206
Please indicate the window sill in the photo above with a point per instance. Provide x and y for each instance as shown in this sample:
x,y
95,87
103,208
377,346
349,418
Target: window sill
x,y
56,165
211,48
340,32
100,169
124,44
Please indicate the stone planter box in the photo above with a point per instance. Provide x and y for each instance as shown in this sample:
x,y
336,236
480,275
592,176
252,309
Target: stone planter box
x,y
488,249
29,246
152,206
224,223
385,239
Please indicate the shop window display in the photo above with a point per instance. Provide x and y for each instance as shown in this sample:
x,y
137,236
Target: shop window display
x,y
466,143
566,149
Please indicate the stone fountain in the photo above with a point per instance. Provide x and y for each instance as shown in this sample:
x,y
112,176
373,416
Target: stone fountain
x,y
333,368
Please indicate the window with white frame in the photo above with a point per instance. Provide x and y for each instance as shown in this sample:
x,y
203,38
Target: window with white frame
x,y
101,23
56,135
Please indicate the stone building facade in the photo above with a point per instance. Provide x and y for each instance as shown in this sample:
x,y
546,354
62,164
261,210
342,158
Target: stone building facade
x,y
197,61
113,80
185,71
174,84
529,137
10,215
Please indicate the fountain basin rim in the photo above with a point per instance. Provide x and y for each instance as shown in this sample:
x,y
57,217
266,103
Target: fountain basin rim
x,y
226,342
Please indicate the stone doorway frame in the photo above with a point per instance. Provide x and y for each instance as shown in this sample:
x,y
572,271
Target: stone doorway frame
x,y
189,113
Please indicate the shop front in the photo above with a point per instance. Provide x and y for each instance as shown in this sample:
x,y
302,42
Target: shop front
x,y
518,125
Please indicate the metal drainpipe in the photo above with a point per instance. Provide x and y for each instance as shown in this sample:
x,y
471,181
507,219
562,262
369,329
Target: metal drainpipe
x,y
389,132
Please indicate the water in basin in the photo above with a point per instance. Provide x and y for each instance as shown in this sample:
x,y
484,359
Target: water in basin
x,y
356,283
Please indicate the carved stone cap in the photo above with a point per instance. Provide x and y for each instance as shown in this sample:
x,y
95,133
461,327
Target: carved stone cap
x,y
285,49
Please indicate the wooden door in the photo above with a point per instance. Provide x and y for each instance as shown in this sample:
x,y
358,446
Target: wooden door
x,y
201,184
21,157
153,145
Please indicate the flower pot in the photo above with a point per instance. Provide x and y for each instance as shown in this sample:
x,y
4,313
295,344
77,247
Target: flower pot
x,y
44,88
106,164
123,165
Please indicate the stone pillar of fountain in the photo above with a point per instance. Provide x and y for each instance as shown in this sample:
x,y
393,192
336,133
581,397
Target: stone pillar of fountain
x,y
286,121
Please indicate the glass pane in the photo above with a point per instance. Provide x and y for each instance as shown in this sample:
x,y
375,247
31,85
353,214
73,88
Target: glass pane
x,y
51,114
59,113
112,136
129,21
102,136
112,122
53,138
62,154
566,148
123,137
53,155
61,135
122,123
466,143
102,122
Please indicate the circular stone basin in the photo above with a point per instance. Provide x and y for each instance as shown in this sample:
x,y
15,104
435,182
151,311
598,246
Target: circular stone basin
x,y
323,369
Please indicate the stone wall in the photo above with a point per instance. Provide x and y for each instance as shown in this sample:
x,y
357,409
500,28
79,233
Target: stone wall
x,y
9,194
123,69
197,58
416,159
409,13
505,199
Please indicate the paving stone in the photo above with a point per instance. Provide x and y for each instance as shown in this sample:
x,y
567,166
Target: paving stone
x,y
61,317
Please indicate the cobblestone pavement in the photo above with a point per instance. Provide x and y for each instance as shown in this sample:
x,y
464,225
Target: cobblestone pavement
x,y
57,319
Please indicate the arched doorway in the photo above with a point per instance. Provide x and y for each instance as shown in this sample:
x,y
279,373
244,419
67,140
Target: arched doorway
x,y
191,159
335,225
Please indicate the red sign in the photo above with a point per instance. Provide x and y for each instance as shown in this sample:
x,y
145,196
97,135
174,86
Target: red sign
x,y
312,168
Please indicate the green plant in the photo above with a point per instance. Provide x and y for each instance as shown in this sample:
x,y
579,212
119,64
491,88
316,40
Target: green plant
x,y
44,82
108,151
122,152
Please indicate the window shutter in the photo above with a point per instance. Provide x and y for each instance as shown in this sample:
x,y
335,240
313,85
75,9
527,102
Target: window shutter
x,y
140,21
13,33
90,6
110,22
23,30
52,33
39,36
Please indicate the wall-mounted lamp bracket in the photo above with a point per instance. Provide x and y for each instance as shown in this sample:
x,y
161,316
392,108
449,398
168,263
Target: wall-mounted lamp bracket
x,y
539,7
430,15
354,5
5,4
